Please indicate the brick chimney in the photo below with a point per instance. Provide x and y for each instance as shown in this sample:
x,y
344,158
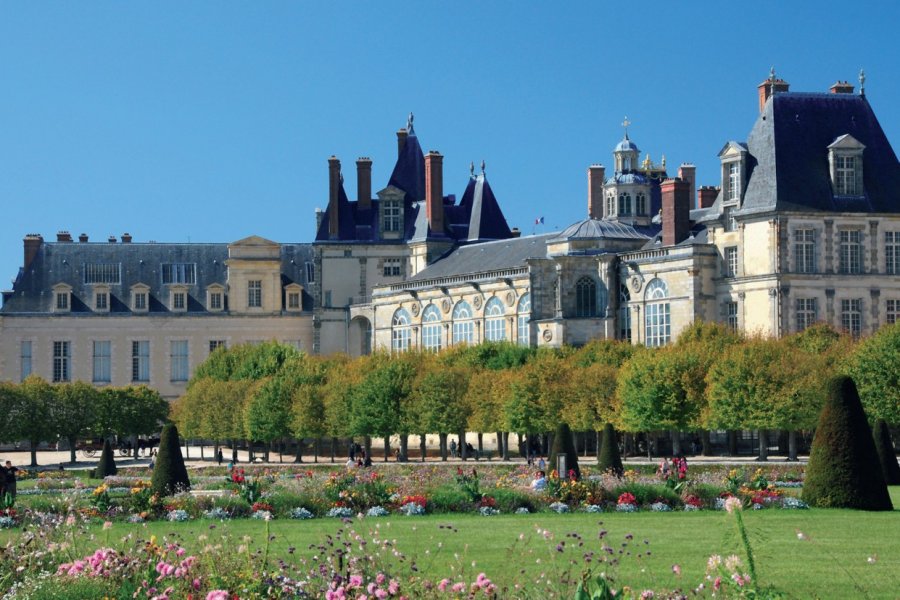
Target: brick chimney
x,y
83,238
596,175
63,236
401,140
841,87
364,183
32,244
126,238
112,239
434,192
688,172
765,90
706,196
334,190
676,215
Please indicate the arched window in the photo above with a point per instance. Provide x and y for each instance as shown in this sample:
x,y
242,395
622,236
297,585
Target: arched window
x,y
494,323
463,325
400,331
624,313
657,324
431,328
585,297
624,204
610,205
523,319
641,201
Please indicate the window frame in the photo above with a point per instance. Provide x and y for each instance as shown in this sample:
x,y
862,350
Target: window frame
x,y
179,361
101,361
806,313
254,293
851,316
850,249
431,328
26,358
140,361
586,298
401,330
494,320
463,323
523,320
657,314
62,361
805,250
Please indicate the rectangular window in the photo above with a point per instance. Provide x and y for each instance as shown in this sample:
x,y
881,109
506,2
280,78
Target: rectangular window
x,y
392,267
731,315
731,261
215,301
734,182
215,345
179,301
807,312
140,361
25,359
327,300
62,301
845,175
729,221
805,250
293,300
851,316
61,361
178,353
102,362
101,301
892,252
390,215
658,324
851,251
254,293
102,273
179,273
310,272
140,301
892,307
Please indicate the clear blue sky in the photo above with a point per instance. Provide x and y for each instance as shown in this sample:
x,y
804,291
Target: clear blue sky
x,y
211,121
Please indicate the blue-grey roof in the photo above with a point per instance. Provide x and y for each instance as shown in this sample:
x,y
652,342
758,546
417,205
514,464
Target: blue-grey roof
x,y
789,148
488,256
627,178
600,229
64,262
626,145
486,220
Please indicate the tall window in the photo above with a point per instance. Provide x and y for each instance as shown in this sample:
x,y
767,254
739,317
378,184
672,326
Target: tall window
x,y
657,318
851,251
25,359
463,325
140,361
805,250
390,215
892,307
845,175
522,321
734,182
61,362
624,313
731,315
178,353
494,323
310,272
254,293
892,252
431,328
624,204
731,261
185,273
585,297
641,202
610,205
729,221
102,362
807,312
400,331
851,316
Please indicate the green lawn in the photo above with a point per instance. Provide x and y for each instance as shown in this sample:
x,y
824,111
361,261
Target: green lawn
x,y
832,563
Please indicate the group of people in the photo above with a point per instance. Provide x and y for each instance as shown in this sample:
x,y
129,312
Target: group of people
x,y
8,479
677,468
357,457
456,449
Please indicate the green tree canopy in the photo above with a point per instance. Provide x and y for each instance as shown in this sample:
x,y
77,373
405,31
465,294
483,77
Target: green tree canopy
x,y
875,367
73,412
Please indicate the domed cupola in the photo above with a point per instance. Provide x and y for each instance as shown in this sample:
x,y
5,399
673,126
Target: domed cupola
x,y
626,153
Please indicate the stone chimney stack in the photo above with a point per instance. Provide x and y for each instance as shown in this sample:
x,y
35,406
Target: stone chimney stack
x,y
364,183
83,238
126,238
434,192
706,196
841,87
63,236
111,239
688,172
32,243
334,190
770,86
596,174
676,211
401,140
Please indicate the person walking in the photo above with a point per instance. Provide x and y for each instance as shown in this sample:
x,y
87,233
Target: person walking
x,y
453,448
10,477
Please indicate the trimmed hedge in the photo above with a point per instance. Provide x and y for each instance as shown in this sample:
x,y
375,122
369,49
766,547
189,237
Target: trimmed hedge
x,y
844,470
608,458
169,475
107,464
886,454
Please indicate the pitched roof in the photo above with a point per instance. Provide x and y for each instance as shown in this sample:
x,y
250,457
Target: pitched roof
x,y
488,256
486,220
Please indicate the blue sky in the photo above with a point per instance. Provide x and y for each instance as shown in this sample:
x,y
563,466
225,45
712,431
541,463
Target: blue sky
x,y
211,121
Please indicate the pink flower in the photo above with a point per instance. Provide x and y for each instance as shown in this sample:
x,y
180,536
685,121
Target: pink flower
x,y
458,587
393,587
732,504
717,583
355,581
379,579
676,569
442,586
380,593
107,525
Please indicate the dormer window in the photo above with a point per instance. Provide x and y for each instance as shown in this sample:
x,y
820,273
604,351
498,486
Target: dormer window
x,y
215,298
293,296
62,298
390,216
845,162
178,298
734,168
140,298
101,298
62,301
734,182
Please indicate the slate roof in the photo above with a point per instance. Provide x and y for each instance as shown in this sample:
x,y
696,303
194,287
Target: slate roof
x,y
789,146
603,229
64,262
486,220
488,256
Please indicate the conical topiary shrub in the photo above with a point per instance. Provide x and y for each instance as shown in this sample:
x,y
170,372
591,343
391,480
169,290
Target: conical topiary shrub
x,y
563,443
843,469
107,464
886,454
170,475
608,458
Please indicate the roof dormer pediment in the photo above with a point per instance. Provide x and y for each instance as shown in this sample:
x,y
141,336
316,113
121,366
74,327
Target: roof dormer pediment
x,y
846,142
732,150
391,193
254,247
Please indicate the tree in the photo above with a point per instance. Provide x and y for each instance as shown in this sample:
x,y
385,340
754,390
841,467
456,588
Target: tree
x,y
873,367
143,411
74,414
31,416
439,395
843,469
608,458
378,402
268,412
887,456
107,464
9,400
169,475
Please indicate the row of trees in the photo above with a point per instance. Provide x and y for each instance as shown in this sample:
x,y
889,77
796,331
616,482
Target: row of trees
x,y
36,411
710,378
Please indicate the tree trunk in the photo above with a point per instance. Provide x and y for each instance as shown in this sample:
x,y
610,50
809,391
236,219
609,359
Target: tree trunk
x,y
404,448
480,446
367,445
505,445
705,444
202,457
71,441
463,449
33,453
792,446
318,450
501,450
387,447
442,446
423,450
520,444
234,452
333,447
676,443
187,449
763,446
268,451
298,457
732,443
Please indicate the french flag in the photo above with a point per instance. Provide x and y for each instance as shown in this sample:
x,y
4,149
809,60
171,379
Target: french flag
x,y
539,221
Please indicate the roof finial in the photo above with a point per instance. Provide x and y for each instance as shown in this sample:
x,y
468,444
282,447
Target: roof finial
x,y
862,82
482,166
772,80
409,124
625,124
472,169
